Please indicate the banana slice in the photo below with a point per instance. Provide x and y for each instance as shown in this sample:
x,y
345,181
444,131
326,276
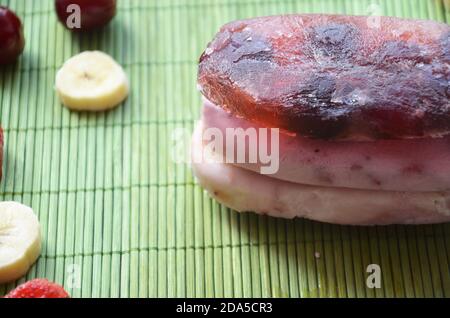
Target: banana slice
x,y
20,240
91,81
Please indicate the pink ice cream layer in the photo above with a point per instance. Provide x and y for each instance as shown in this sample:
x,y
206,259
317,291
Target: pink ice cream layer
x,y
421,165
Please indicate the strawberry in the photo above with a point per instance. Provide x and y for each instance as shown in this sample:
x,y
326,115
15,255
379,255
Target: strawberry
x,y
38,288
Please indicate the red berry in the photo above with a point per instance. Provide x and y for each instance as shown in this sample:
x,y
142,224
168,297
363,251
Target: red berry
x,y
82,15
12,41
38,288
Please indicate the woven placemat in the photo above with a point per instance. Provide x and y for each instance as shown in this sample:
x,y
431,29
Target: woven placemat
x,y
120,218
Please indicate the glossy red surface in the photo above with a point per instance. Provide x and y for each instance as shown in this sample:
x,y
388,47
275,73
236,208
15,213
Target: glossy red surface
x,y
12,41
333,77
94,14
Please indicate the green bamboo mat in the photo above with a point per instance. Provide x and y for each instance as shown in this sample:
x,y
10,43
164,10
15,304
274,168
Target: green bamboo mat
x,y
121,219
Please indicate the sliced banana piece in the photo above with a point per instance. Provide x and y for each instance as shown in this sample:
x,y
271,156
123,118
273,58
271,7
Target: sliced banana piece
x,y
20,240
91,81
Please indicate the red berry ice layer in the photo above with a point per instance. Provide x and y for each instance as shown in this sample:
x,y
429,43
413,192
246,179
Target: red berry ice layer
x,y
333,77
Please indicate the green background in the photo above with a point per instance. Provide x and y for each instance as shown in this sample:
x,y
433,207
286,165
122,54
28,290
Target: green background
x,y
133,222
